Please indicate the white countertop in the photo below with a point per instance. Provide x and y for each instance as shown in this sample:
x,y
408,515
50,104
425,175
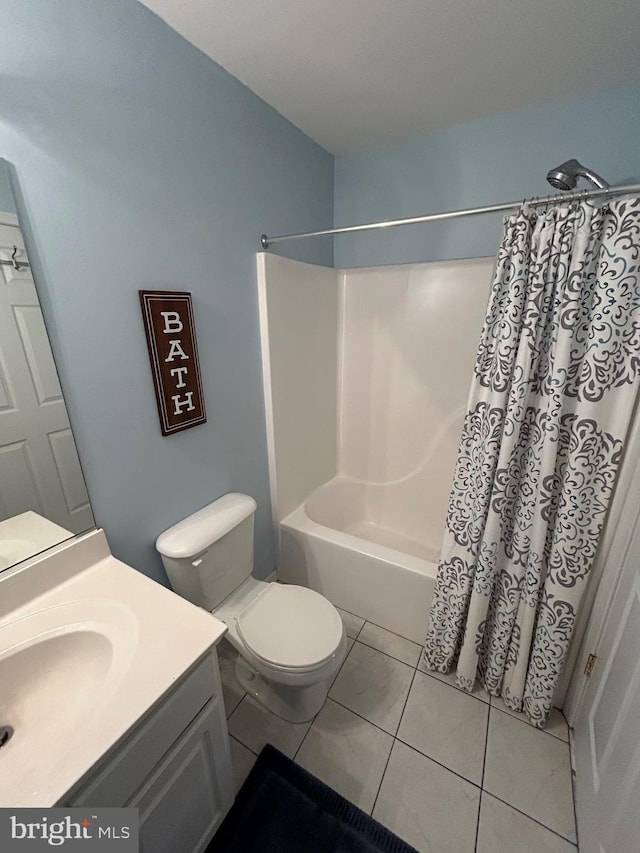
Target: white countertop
x,y
154,637
27,534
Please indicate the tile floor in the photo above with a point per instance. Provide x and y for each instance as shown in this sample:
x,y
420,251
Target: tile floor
x,y
447,771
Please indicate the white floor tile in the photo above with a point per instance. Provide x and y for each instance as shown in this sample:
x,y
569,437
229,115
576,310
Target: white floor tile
x,y
231,690
242,760
373,685
450,678
531,771
556,724
391,644
426,805
504,830
447,725
350,643
347,753
352,623
254,726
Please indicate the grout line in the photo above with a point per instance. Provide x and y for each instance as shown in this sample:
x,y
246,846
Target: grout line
x,y
484,764
276,717
339,670
395,738
237,706
315,717
356,714
382,628
486,747
411,746
453,686
568,746
228,716
386,654
572,761
364,621
423,754
237,740
535,820
439,763
413,678
229,720
521,719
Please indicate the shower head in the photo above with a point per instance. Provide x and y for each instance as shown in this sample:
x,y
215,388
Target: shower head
x,y
565,176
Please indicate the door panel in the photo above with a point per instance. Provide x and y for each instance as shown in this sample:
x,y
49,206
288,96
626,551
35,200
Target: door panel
x,y
17,468
607,730
35,343
39,465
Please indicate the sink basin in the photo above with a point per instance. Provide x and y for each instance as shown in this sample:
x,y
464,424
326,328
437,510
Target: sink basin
x,y
57,667
88,646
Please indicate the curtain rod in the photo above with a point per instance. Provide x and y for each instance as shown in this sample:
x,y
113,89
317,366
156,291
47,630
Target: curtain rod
x,y
583,195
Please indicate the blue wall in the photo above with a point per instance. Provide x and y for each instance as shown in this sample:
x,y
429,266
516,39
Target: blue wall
x,y
498,158
7,203
141,164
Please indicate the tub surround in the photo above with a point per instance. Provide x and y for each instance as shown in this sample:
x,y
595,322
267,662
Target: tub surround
x,y
366,376
146,638
299,310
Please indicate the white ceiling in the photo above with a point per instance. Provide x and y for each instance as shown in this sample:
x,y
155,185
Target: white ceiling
x,y
353,73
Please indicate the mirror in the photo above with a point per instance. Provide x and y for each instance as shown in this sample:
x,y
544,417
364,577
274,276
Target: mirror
x,y
43,496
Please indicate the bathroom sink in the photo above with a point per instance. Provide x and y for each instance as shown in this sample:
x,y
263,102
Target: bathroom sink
x,y
57,667
88,646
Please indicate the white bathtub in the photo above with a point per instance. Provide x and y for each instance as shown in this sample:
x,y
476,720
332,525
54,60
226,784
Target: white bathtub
x,y
337,543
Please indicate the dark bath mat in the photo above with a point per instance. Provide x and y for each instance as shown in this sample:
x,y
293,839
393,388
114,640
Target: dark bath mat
x,y
281,808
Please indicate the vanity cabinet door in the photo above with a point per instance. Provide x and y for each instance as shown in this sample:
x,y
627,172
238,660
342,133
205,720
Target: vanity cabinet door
x,y
186,797
119,779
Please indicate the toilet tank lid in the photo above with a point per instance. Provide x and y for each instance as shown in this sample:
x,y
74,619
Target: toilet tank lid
x,y
197,532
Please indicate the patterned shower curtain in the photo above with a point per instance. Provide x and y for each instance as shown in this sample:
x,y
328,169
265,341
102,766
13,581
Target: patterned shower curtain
x,y
555,382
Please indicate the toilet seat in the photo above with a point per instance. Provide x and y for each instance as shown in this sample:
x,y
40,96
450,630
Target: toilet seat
x,y
291,627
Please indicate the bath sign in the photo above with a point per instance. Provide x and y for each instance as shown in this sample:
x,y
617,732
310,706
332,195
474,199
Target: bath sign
x,y
171,339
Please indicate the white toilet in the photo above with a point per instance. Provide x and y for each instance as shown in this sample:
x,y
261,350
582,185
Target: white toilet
x,y
291,639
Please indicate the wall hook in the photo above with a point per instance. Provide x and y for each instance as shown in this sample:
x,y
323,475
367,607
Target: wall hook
x,y
14,261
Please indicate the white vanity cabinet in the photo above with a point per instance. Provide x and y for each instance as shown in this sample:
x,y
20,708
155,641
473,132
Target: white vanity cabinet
x,y
175,767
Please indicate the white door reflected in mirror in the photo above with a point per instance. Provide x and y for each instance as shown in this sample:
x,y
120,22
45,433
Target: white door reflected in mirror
x,y
42,488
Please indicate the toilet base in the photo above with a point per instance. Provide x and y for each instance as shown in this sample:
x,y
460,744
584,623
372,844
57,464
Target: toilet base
x,y
294,704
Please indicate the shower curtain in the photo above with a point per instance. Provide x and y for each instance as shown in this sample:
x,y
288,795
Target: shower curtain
x,y
555,382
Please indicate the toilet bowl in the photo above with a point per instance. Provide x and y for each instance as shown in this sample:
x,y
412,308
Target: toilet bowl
x,y
290,640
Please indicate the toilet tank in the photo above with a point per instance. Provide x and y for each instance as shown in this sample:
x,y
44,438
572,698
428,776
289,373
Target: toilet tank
x,y
210,553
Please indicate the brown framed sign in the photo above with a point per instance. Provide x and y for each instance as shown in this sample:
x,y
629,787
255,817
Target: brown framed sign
x,y
173,353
